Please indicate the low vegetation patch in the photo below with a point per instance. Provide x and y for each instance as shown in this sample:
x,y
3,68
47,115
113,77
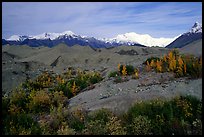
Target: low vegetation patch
x,y
121,75
181,115
40,106
181,65
70,83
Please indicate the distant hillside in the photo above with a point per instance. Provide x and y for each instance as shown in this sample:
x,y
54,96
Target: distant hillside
x,y
4,42
184,40
194,34
194,48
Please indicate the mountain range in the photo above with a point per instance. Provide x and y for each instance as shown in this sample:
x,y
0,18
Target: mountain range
x,y
194,34
130,39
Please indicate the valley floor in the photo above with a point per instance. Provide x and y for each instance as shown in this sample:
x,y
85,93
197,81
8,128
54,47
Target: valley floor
x,y
22,62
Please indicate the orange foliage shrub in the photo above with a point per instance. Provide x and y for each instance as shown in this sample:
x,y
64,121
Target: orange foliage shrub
x,y
148,67
152,64
74,89
124,71
159,66
172,63
119,67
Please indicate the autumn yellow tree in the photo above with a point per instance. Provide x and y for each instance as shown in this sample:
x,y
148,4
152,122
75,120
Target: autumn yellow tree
x,y
170,55
172,62
200,61
69,73
159,66
136,73
180,67
49,80
184,68
164,58
119,67
74,88
148,67
58,78
124,71
79,72
180,61
152,64
179,71
62,81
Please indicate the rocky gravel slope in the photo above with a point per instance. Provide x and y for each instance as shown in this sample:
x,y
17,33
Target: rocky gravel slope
x,y
22,62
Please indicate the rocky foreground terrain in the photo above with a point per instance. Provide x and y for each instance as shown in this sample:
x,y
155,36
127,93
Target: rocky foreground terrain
x,y
20,63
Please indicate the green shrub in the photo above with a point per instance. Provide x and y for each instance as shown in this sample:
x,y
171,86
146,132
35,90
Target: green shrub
x,y
199,110
45,127
148,108
197,127
176,53
176,127
114,74
120,79
114,126
53,122
65,130
59,112
95,78
76,123
141,125
182,108
22,123
191,106
165,115
44,80
97,122
65,88
18,97
5,106
77,119
129,68
193,68
82,79
150,59
101,114
167,111
39,102
95,127
83,83
30,85
58,98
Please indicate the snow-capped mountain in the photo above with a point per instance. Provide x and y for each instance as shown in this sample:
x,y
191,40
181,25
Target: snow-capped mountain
x,y
195,33
130,39
18,38
197,28
67,37
46,35
143,39
53,36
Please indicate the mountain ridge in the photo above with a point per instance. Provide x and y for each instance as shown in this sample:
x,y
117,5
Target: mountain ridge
x,y
195,33
129,39
53,39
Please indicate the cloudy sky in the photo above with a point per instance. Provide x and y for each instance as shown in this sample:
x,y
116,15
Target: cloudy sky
x,y
100,19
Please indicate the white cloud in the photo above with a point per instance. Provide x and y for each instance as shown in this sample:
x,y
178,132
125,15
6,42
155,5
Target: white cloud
x,y
100,19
